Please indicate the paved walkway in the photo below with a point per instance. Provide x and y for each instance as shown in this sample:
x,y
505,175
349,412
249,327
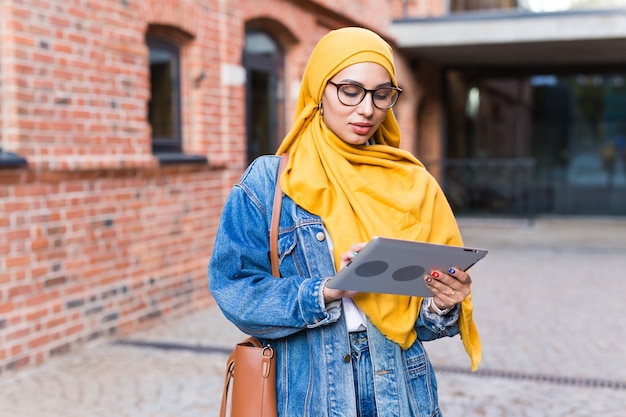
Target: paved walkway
x,y
549,301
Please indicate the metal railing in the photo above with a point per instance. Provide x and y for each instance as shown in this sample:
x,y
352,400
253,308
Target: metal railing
x,y
490,186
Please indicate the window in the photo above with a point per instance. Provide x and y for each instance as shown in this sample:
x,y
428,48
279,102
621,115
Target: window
x,y
263,60
164,104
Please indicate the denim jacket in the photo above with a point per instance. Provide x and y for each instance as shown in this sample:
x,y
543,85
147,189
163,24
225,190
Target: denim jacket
x,y
314,373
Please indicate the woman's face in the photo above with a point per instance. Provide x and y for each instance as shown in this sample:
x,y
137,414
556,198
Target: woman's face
x,y
355,124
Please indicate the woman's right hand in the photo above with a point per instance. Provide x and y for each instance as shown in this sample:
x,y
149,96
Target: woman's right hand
x,y
331,294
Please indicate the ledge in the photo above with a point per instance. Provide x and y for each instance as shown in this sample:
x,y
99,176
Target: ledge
x,y
11,160
169,158
93,163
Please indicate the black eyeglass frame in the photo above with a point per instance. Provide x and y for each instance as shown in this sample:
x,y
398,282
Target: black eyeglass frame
x,y
392,87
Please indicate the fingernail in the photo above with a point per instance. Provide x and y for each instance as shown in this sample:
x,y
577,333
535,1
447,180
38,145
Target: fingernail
x,y
429,279
353,253
435,274
452,271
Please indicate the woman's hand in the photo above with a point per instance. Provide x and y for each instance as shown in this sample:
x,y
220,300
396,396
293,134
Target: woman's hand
x,y
449,288
331,294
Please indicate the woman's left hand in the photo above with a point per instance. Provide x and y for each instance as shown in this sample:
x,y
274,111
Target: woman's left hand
x,y
449,288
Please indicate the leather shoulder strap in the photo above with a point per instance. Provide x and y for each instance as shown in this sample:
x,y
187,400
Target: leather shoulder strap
x,y
278,201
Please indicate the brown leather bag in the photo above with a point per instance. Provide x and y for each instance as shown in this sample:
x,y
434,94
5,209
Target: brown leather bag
x,y
251,367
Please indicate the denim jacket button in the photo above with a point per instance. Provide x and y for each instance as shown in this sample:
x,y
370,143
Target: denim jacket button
x,y
346,358
320,236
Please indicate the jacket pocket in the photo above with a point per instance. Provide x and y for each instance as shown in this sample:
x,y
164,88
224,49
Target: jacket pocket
x,y
286,246
416,366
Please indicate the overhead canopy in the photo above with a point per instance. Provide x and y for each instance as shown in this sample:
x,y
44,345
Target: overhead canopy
x,y
520,39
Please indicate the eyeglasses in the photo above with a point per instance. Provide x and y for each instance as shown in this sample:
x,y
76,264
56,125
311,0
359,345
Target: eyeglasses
x,y
352,95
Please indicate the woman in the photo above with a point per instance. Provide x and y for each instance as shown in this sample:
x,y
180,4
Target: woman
x,y
341,353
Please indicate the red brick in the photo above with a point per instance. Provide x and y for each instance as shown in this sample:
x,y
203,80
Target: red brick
x,y
6,307
35,315
39,243
15,261
56,322
38,342
38,271
19,234
17,334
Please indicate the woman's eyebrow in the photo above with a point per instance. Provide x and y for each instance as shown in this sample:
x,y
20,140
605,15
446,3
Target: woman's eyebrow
x,y
350,81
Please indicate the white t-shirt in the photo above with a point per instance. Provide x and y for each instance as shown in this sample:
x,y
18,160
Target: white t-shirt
x,y
355,318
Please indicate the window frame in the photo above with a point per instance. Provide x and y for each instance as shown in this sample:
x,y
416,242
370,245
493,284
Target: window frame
x,y
173,143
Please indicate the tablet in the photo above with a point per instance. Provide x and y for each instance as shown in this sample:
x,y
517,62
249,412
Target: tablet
x,y
394,266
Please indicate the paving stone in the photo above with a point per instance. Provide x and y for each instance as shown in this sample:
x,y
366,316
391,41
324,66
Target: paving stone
x,y
549,304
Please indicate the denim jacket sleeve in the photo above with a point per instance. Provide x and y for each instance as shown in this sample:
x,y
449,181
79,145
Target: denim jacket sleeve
x,y
431,326
240,275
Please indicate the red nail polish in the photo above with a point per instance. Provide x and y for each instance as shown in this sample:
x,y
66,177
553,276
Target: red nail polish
x,y
435,274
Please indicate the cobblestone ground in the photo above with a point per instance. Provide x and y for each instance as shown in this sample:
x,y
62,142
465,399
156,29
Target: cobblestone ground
x,y
549,303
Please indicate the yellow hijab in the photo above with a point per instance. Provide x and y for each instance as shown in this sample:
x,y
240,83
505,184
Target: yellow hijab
x,y
366,191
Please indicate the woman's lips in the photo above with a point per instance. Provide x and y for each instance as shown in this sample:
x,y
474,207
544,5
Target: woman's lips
x,y
361,128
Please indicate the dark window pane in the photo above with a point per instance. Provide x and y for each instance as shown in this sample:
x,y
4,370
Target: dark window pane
x,y
263,61
160,105
542,142
163,106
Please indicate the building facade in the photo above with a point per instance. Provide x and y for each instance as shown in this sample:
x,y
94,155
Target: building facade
x,y
123,125
533,97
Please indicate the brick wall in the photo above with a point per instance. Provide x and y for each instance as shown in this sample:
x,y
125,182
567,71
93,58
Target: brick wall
x,y
93,254
97,239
